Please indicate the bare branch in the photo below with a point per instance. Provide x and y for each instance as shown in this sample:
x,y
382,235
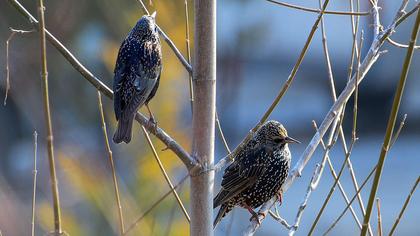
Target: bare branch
x,y
165,174
185,157
399,44
280,95
222,136
404,207
378,206
187,42
13,32
391,121
331,189
155,204
111,162
333,173
35,171
47,111
351,201
361,186
397,134
312,185
334,96
278,218
318,10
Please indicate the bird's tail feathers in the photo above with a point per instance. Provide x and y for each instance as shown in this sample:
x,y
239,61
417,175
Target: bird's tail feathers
x,y
224,209
123,132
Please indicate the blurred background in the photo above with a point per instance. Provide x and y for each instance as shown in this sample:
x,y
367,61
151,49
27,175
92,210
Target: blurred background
x,y
258,44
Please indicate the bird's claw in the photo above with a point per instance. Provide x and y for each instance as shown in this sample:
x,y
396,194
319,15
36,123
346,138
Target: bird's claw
x,y
154,122
256,216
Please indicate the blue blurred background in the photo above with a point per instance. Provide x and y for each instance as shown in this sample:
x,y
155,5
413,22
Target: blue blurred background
x,y
258,44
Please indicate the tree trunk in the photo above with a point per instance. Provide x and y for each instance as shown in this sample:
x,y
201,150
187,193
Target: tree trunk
x,y
204,81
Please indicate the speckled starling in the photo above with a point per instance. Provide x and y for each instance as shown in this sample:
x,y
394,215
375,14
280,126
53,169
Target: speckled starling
x,y
257,172
136,75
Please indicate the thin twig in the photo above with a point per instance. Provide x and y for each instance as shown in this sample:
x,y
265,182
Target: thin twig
x,y
50,144
400,45
356,90
378,206
333,173
155,204
397,134
361,186
367,63
170,43
185,157
318,10
394,226
34,172
351,201
355,52
391,121
312,185
278,218
354,30
172,216
340,128
222,136
111,162
311,231
187,42
165,174
12,33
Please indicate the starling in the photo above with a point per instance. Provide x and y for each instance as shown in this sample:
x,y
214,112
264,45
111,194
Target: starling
x,y
136,75
257,172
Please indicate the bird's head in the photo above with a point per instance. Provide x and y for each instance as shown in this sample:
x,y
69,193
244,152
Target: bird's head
x,y
146,25
273,134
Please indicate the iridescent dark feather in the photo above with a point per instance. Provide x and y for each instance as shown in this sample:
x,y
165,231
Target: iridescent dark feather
x,y
136,75
257,172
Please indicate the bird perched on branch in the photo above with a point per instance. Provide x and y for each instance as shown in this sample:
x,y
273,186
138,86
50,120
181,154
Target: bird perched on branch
x,y
257,172
136,75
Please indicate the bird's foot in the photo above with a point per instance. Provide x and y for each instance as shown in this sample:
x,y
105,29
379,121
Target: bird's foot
x,y
279,195
256,216
154,122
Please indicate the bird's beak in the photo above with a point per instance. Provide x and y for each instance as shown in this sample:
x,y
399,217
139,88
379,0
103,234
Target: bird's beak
x,y
291,140
153,15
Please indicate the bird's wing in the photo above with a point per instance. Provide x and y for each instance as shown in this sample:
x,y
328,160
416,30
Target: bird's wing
x,y
142,89
241,174
132,84
121,71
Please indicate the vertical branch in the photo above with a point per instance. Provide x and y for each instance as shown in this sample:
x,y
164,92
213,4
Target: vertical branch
x,y
204,81
187,42
404,206
34,184
391,122
111,162
378,206
50,145
341,132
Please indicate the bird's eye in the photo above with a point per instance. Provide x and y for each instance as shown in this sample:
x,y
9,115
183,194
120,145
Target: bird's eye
x,y
278,140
